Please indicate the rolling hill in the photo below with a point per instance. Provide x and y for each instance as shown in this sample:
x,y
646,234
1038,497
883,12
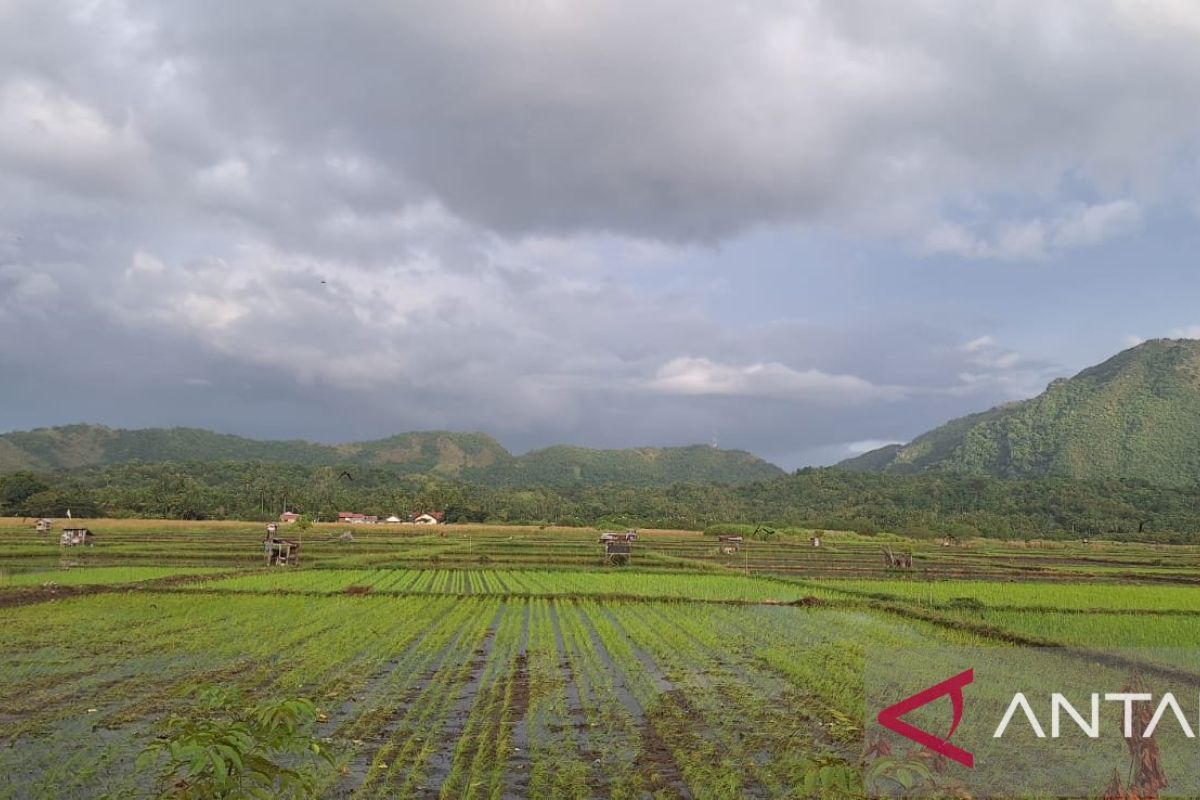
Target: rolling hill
x,y
643,466
473,457
1137,415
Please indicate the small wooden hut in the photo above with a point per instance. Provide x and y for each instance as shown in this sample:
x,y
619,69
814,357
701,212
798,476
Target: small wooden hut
x,y
729,544
76,537
281,552
44,525
815,541
618,547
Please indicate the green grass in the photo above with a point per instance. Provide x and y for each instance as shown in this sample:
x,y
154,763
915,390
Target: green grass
x,y
547,583
493,662
421,690
97,576
1102,631
1053,595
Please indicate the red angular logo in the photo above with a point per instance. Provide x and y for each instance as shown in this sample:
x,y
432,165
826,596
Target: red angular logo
x,y
890,717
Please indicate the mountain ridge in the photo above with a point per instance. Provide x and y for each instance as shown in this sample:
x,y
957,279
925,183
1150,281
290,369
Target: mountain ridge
x,y
1134,415
473,457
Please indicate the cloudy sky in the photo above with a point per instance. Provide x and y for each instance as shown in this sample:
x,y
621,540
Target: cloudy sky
x,y
799,228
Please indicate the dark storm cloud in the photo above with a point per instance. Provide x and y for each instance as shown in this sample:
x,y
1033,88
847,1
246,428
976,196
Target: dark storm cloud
x,y
667,120
341,220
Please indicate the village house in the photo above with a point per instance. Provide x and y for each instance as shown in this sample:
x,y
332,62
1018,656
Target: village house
x,y
289,516
429,518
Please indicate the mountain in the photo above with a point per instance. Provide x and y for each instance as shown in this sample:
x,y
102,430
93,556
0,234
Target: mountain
x,y
429,452
1137,415
473,457
644,466
76,446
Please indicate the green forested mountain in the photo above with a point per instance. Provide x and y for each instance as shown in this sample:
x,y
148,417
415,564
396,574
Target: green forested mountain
x,y
1137,415
473,457
565,465
76,446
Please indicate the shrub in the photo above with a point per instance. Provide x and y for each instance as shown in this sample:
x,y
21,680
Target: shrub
x,y
225,749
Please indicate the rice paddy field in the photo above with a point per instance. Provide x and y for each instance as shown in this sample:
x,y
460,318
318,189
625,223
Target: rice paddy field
x,y
489,662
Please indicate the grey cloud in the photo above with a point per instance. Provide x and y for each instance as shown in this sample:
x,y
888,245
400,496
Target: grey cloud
x,y
340,220
703,377
623,117
1037,238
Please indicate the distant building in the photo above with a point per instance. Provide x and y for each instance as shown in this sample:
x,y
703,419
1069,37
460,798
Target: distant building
x,y
392,519
44,525
289,516
429,518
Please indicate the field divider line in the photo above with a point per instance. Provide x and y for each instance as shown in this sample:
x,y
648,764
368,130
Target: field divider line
x,y
1125,612
869,597
516,596
1011,637
30,595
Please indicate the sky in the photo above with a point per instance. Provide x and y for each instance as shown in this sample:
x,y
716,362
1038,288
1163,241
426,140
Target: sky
x,y
802,229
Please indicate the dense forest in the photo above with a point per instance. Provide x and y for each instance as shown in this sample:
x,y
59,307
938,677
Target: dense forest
x,y
927,504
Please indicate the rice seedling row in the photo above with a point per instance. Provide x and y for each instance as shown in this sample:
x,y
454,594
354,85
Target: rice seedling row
x,y
502,664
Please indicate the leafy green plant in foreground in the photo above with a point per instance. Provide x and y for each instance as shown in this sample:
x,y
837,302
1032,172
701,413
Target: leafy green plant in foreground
x,y
227,749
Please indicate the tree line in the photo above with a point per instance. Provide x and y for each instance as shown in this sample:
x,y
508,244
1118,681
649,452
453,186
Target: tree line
x,y
922,505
